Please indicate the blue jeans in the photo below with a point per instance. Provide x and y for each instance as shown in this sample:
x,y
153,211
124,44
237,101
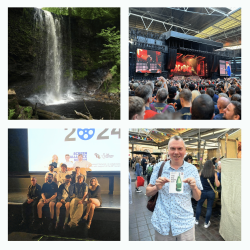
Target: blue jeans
x,y
209,195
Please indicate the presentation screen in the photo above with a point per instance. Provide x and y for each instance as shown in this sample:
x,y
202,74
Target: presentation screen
x,y
225,68
100,147
149,61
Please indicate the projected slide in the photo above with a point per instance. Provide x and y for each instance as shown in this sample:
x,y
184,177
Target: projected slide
x,y
225,68
100,147
148,61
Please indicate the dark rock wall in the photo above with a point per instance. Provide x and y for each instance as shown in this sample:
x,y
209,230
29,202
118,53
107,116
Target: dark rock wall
x,y
26,61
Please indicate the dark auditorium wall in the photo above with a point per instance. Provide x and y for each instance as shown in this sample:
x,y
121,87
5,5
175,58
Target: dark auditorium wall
x,y
17,152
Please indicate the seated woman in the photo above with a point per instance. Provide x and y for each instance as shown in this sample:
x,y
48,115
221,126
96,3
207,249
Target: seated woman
x,y
94,195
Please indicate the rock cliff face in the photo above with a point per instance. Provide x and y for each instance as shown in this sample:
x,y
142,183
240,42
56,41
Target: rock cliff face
x,y
79,57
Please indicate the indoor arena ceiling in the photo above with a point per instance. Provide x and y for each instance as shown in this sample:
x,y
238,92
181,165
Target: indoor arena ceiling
x,y
160,137
218,24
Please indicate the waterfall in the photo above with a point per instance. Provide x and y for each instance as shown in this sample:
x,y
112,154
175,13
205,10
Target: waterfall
x,y
52,64
53,71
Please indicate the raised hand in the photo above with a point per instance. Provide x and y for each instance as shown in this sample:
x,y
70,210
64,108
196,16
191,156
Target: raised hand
x,y
191,182
160,182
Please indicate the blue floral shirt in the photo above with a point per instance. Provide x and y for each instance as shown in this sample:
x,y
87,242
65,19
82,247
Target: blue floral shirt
x,y
174,210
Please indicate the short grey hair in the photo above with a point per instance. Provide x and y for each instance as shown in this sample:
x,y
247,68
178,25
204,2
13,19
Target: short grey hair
x,y
186,94
176,138
162,94
151,84
145,92
223,95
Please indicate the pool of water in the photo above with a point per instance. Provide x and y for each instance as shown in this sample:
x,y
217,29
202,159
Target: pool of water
x,y
98,110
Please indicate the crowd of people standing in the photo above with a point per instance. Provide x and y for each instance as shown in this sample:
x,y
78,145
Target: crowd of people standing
x,y
165,99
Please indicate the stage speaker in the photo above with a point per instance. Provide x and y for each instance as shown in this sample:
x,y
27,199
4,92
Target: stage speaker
x,y
215,64
172,53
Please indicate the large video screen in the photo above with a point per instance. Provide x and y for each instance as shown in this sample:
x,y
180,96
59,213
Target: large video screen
x,y
149,61
225,68
188,65
100,147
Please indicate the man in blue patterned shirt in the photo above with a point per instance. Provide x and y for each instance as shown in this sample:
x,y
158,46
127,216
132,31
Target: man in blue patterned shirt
x,y
173,216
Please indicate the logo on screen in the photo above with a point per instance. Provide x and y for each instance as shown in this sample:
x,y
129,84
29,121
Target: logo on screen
x,y
75,156
86,133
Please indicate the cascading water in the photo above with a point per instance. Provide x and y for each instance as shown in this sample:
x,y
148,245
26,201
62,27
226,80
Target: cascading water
x,y
58,88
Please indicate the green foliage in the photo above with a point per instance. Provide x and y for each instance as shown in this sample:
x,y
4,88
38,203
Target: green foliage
x,y
111,55
78,74
28,112
11,113
88,13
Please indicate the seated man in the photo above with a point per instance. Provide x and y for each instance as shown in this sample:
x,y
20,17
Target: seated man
x,y
75,174
64,197
34,195
51,171
62,174
77,204
49,193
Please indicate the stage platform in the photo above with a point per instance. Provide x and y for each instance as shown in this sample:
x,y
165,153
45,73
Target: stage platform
x,y
108,200
105,225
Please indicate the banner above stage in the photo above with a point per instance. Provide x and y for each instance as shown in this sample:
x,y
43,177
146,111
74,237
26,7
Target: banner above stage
x,y
100,148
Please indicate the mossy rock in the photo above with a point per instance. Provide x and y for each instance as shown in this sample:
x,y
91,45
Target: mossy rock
x,y
25,113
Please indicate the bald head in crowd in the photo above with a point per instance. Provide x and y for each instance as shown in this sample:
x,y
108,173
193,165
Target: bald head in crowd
x,y
202,108
222,103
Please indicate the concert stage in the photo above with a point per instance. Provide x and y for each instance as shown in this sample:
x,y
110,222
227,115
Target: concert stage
x,y
179,55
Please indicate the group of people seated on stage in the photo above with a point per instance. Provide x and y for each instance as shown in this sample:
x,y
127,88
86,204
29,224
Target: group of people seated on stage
x,y
62,190
186,99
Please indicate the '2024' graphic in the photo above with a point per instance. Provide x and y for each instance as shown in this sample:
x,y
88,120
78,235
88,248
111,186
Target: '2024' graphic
x,y
88,133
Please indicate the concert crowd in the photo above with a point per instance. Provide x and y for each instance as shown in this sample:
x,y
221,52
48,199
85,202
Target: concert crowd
x,y
186,99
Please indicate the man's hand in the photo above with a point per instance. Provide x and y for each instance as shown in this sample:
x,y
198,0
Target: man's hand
x,y
160,182
62,200
80,202
30,201
46,201
191,182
